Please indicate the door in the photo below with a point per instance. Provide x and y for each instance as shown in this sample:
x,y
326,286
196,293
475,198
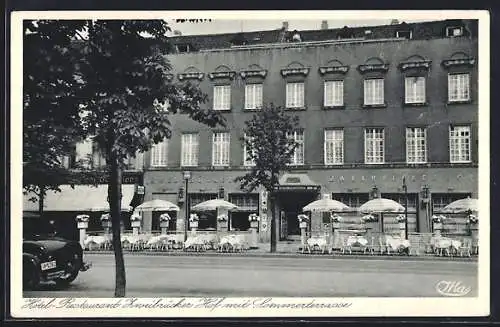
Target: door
x,y
283,226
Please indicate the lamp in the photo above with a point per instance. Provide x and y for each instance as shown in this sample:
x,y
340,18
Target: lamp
x,y
187,176
221,192
405,188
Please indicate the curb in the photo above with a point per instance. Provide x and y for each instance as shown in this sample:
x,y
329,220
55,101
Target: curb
x,y
289,255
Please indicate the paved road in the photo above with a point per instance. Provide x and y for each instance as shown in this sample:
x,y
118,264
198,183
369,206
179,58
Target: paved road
x,y
236,276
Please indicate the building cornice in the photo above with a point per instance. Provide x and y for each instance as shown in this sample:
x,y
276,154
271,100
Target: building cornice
x,y
373,68
294,71
333,69
193,75
458,62
423,64
253,73
217,75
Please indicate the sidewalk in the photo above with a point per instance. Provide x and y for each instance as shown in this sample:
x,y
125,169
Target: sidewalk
x,y
284,249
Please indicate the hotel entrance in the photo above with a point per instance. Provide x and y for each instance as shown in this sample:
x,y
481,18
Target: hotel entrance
x,y
295,191
291,204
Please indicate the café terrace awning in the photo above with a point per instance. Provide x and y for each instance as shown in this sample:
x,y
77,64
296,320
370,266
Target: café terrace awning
x,y
297,182
81,198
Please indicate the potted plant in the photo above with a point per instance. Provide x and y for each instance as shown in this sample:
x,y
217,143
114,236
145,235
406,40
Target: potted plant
x,y
193,220
369,218
336,219
401,219
135,220
222,217
437,221
106,220
254,220
303,220
82,221
472,219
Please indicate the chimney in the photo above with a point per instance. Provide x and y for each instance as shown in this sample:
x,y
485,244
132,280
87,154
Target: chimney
x,y
324,25
177,33
394,22
285,26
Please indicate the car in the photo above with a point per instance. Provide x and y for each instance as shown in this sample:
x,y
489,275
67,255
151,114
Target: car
x,y
48,257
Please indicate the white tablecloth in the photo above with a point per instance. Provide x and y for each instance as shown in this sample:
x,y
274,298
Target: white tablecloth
x,y
445,242
396,242
354,240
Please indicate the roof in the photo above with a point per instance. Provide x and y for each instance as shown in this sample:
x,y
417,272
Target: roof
x,y
421,30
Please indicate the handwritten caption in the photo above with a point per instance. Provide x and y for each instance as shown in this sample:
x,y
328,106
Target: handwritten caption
x,y
177,303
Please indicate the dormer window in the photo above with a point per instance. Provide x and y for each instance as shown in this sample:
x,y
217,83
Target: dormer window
x,y
454,31
404,34
296,36
181,48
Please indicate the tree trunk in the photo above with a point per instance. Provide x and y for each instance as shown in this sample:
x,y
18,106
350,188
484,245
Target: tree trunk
x,y
41,200
115,194
273,223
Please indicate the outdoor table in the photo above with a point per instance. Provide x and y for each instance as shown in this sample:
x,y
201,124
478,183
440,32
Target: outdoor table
x,y
353,240
396,242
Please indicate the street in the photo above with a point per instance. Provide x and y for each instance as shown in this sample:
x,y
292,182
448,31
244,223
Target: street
x,y
278,276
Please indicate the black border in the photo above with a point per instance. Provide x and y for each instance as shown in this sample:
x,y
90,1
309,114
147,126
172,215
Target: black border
x,y
491,6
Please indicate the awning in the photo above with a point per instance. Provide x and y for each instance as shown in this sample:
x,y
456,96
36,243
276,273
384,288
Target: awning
x,y
290,181
81,198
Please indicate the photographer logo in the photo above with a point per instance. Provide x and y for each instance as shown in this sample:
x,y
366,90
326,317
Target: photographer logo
x,y
452,288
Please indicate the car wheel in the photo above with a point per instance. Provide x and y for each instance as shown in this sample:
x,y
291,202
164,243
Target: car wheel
x,y
72,269
31,275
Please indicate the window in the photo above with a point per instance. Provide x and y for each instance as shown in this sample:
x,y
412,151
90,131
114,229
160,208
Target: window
x,y
298,155
189,149
415,89
98,158
441,200
295,95
247,161
460,144
220,149
222,97
159,154
416,145
458,87
353,200
454,31
253,96
334,146
404,34
245,202
374,145
374,91
334,93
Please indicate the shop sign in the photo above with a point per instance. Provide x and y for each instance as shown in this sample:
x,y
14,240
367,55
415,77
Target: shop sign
x,y
382,178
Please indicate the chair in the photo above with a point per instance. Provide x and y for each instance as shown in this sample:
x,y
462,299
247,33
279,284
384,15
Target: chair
x,y
346,246
370,247
465,248
382,245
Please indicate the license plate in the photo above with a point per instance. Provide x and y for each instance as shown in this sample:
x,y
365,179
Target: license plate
x,y
48,265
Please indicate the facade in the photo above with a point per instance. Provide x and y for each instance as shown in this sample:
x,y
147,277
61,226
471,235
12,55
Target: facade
x,y
380,107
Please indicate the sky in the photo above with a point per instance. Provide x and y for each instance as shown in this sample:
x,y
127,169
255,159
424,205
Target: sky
x,y
234,26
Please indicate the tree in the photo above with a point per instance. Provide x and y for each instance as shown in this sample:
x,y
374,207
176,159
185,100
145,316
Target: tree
x,y
50,106
124,97
127,100
270,147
